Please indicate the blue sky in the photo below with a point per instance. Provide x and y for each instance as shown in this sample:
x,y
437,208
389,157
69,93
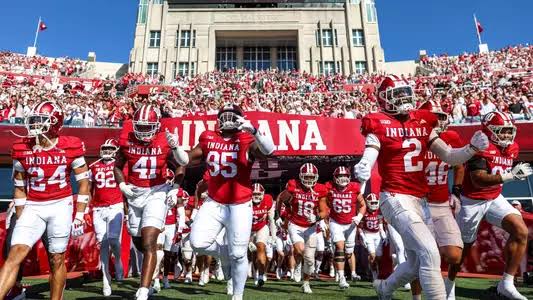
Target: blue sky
x,y
106,26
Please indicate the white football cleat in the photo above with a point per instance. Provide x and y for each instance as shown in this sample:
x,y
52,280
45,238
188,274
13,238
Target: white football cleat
x,y
407,286
378,286
343,284
450,289
142,294
229,287
332,272
106,290
509,291
306,288
355,277
188,278
201,281
156,286
279,273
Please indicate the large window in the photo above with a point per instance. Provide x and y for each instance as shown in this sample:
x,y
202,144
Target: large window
x,y
142,13
360,67
327,37
371,15
286,58
183,69
158,1
152,69
226,58
358,38
155,38
188,38
327,68
256,58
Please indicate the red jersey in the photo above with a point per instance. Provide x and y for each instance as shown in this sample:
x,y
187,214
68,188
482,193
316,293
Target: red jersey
x,y
48,171
229,166
342,204
437,170
304,201
172,216
105,191
147,162
370,221
402,150
261,210
496,161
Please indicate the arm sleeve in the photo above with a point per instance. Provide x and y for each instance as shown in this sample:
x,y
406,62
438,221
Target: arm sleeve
x,y
370,155
272,221
451,156
265,143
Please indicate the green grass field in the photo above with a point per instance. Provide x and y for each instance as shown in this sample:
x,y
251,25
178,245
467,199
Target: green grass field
x,y
91,290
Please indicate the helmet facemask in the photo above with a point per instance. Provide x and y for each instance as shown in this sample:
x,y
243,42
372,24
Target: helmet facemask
x,y
503,136
108,152
145,131
228,120
257,197
39,124
342,180
308,179
373,204
400,100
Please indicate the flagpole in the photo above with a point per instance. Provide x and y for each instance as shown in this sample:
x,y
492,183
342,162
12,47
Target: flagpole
x,y
37,32
477,29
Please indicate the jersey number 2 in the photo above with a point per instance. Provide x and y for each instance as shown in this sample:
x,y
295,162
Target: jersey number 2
x,y
408,163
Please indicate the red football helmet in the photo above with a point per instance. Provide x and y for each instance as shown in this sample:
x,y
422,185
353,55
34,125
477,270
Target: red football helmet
x,y
372,201
258,193
146,122
227,116
109,149
500,128
44,118
395,95
434,107
341,176
308,175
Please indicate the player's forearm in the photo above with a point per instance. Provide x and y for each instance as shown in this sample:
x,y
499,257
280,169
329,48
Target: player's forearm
x,y
482,179
265,143
83,195
458,175
452,156
361,205
119,175
323,210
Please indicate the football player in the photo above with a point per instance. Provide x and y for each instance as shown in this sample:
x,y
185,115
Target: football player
x,y
441,220
372,233
42,165
302,197
398,138
283,245
262,235
147,151
346,208
481,198
229,154
108,211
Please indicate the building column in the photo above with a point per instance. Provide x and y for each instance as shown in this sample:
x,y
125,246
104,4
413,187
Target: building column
x,y
273,57
300,53
239,53
212,46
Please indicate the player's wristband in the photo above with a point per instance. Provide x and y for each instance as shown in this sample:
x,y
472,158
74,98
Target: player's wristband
x,y
255,131
81,176
19,182
20,201
507,176
358,218
83,199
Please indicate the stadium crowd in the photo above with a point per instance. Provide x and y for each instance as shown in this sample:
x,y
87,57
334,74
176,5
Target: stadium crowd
x,y
467,86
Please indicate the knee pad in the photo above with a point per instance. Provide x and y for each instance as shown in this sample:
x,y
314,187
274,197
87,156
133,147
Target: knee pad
x,y
238,251
339,256
349,248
